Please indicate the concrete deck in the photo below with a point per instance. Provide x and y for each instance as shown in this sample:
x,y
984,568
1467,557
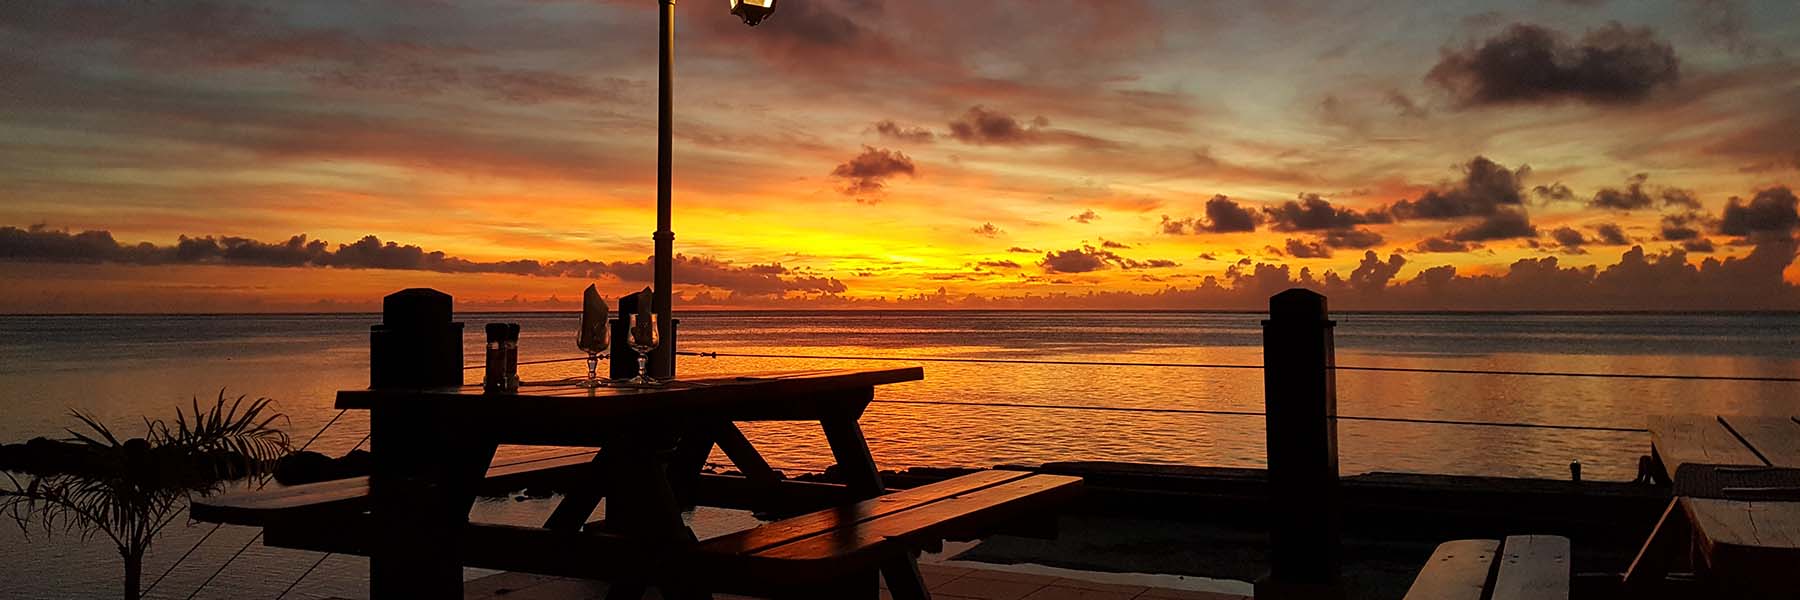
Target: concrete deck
x,y
947,582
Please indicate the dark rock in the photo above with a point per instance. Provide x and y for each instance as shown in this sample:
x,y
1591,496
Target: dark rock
x,y
304,467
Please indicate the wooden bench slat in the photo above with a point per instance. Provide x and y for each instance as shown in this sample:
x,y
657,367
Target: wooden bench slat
x,y
1457,570
1745,524
1697,439
849,544
1776,438
788,530
1533,567
1749,547
931,519
257,508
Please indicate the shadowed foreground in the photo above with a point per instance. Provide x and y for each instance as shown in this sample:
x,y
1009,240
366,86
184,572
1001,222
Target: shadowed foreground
x,y
947,582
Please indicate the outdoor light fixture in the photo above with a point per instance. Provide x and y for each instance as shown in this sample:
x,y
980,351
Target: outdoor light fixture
x,y
753,11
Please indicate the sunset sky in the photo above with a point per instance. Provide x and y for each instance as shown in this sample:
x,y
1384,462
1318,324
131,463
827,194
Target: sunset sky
x,y
163,155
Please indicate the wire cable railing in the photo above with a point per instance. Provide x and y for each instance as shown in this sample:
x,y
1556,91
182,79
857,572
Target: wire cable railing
x,y
1186,365
1190,365
1257,413
215,528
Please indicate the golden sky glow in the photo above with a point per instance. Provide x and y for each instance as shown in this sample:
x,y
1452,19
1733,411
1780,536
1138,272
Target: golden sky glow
x,y
861,153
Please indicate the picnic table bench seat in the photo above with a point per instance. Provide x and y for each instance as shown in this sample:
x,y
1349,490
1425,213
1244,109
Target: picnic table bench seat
x,y
1522,567
812,551
324,499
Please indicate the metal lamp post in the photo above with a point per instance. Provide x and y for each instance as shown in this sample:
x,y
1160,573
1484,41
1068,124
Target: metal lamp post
x,y
662,360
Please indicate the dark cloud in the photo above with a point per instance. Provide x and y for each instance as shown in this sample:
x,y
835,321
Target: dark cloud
x,y
1568,237
1350,238
1019,250
1503,225
1312,212
1769,212
988,230
1438,244
1610,235
1630,198
1636,195
1554,192
1086,216
1372,274
1088,259
1405,106
1683,226
1177,226
1300,249
1073,261
40,244
1673,197
894,131
983,126
999,264
1528,63
1486,186
868,173
1113,244
1223,215
1698,246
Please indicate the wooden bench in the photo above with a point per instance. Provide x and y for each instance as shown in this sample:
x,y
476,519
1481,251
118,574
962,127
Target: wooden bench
x,y
326,499
818,554
1523,567
812,550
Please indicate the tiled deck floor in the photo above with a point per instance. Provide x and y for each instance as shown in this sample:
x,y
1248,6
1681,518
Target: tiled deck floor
x,y
947,582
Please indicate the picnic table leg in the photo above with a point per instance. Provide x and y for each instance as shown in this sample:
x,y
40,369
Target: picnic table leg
x,y
642,505
1667,542
422,487
581,499
690,459
751,463
863,478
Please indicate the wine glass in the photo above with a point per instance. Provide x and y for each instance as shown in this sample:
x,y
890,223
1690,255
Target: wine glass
x,y
593,341
643,338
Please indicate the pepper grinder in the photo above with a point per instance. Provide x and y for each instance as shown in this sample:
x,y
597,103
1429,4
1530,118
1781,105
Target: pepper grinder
x,y
494,379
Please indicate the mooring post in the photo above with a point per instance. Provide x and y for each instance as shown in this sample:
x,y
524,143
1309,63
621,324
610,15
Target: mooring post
x,y
1300,396
416,344
414,548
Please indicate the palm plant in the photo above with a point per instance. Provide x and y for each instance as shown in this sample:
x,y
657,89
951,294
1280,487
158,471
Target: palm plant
x,y
130,490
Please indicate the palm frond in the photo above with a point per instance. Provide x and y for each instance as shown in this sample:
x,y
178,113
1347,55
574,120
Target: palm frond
x,y
243,429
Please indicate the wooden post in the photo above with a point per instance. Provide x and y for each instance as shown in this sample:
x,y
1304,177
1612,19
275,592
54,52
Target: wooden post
x,y
416,344
1300,393
416,514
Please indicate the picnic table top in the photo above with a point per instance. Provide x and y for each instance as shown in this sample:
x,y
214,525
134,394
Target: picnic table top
x,y
1749,441
791,388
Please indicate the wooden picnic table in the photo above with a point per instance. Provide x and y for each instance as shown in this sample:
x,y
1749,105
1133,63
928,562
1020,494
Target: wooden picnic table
x,y
433,451
1736,506
432,447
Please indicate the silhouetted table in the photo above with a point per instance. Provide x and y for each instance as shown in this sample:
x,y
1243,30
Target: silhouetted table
x,y
432,447
1736,509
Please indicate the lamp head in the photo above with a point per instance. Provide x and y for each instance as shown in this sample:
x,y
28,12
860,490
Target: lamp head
x,y
753,11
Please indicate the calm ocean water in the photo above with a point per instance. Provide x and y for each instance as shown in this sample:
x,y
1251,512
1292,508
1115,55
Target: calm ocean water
x,y
125,367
